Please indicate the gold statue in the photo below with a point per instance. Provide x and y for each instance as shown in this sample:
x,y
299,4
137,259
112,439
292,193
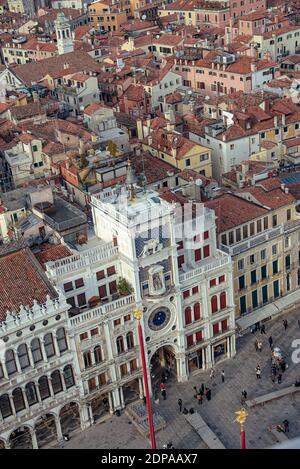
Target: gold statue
x,y
137,313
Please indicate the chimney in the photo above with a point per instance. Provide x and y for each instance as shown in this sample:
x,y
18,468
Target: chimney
x,y
282,187
275,121
286,190
283,119
253,67
66,66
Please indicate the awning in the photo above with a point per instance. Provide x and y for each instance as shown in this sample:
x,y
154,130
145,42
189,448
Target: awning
x,y
271,309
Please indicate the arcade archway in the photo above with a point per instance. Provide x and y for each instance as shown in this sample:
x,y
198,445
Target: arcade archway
x,y
45,429
163,366
69,418
21,438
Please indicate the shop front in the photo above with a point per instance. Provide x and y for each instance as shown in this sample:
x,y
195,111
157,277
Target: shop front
x,y
195,361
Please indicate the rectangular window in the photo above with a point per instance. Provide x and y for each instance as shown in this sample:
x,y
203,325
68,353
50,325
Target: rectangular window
x,y
254,299
127,317
252,259
288,214
133,365
197,255
274,220
112,287
245,231
216,328
224,325
222,279
258,226
241,264
71,301
288,262
275,267
276,288
102,291
238,235
94,332
92,384
83,336
241,282
243,305
230,237
180,261
195,290
263,272
102,379
179,245
81,300
253,277
100,275
199,336
186,294
252,229
213,282
263,254
206,235
68,286
265,223
189,340
274,249
79,283
111,270
206,251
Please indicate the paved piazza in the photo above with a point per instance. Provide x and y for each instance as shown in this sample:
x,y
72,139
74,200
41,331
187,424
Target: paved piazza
x,y
118,432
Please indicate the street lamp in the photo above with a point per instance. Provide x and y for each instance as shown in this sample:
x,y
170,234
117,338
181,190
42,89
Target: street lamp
x,y
138,315
241,419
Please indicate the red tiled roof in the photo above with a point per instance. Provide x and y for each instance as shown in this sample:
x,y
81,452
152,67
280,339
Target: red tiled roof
x,y
22,281
233,211
52,252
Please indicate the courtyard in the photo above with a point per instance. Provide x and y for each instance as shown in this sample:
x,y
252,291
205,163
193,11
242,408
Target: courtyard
x,y
219,413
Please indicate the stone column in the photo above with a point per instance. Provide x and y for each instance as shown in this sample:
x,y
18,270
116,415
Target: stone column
x,y
34,440
58,428
25,398
141,388
17,361
90,411
110,402
181,365
50,386
12,405
30,357
121,397
209,361
116,399
84,417
109,349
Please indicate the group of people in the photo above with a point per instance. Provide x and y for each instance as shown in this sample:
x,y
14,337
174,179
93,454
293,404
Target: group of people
x,y
278,364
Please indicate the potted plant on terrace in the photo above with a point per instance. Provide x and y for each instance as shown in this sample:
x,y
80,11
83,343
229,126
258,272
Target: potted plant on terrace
x,y
124,288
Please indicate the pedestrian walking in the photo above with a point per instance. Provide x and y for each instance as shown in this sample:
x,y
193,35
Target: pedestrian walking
x,y
256,345
286,426
258,372
259,346
180,404
199,398
162,386
164,394
212,373
285,324
208,394
279,377
270,339
263,329
156,397
244,393
202,388
257,326
223,376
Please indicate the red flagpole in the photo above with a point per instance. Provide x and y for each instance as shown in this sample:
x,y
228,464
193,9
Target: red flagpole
x,y
243,438
148,402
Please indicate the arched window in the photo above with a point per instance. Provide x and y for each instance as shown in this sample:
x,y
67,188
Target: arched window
x,y
223,300
36,350
120,344
214,304
197,312
61,340
23,356
10,362
56,382
49,345
31,394
5,407
98,354
44,387
87,359
188,315
18,399
130,340
68,376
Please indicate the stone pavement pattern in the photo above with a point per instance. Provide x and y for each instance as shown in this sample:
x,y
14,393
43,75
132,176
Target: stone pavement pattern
x,y
219,413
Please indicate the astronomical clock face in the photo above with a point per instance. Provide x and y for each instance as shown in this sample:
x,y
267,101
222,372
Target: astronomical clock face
x,y
159,318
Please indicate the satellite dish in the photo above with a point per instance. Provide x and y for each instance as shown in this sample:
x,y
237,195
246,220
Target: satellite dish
x,y
199,182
